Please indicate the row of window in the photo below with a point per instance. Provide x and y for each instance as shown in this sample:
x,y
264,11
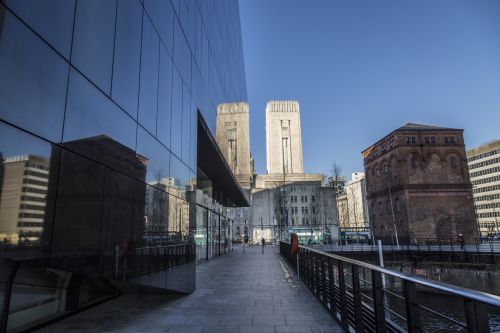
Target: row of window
x,y
31,216
36,174
488,206
30,224
486,189
31,207
33,190
388,208
305,221
303,198
430,139
294,189
34,182
487,197
36,166
485,172
483,155
485,180
305,210
490,214
484,163
32,198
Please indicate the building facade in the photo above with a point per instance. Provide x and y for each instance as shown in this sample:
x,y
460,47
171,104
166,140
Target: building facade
x,y
484,170
352,203
109,166
283,137
418,185
293,200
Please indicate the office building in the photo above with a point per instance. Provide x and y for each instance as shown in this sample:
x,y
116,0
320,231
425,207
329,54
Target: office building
x,y
352,203
418,185
484,171
111,177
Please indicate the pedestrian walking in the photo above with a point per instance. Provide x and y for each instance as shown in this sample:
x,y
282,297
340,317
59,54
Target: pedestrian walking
x,y
263,242
461,241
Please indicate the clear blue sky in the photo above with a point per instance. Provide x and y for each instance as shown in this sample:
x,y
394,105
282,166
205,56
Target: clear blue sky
x,y
360,69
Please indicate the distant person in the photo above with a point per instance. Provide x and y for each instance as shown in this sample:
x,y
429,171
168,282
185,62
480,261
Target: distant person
x,y
263,242
461,241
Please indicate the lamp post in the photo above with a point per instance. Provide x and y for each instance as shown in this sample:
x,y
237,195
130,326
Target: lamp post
x,y
388,176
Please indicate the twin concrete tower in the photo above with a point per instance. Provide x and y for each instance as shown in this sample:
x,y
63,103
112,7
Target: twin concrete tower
x,y
283,139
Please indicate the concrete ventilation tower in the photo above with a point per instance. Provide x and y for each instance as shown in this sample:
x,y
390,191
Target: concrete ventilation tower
x,y
233,138
283,138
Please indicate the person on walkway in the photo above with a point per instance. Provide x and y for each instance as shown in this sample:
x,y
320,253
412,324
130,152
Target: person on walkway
x,y
263,242
461,241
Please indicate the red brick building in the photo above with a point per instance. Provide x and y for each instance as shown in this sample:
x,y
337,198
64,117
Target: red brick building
x,y
418,185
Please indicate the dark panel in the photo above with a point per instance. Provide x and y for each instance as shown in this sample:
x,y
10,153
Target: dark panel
x,y
53,20
93,119
164,97
35,99
155,156
78,218
148,97
125,86
176,136
162,15
93,40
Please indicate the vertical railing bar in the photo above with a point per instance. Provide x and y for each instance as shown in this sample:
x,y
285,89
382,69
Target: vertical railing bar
x,y
358,311
378,301
343,297
476,318
412,311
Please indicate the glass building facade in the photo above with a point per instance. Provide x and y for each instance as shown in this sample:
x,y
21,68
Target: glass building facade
x,y
109,173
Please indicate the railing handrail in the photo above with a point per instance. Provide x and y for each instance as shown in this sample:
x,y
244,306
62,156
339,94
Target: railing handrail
x,y
442,286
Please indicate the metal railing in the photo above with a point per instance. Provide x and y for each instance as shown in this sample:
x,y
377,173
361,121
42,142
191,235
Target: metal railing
x,y
367,298
441,250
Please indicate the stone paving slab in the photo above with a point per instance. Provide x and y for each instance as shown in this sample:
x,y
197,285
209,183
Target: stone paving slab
x,y
240,292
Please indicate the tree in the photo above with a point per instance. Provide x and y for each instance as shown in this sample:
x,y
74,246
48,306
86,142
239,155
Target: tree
x,y
280,204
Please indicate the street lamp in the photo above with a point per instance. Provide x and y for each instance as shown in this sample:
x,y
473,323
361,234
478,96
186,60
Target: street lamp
x,y
388,176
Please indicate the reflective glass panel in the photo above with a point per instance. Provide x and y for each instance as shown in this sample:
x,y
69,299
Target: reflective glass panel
x,y
148,96
78,218
94,39
155,156
164,97
53,20
35,99
94,120
176,128
28,174
125,86
162,15
186,125
182,54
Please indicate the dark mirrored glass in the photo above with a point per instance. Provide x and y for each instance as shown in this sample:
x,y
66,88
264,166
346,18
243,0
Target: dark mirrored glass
x,y
93,41
176,127
164,97
28,173
179,175
33,80
78,217
148,96
182,54
117,217
93,120
155,156
162,15
186,125
52,20
127,56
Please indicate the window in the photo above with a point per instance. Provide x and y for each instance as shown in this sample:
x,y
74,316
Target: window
x,y
314,209
398,205
433,139
413,139
453,163
313,198
413,163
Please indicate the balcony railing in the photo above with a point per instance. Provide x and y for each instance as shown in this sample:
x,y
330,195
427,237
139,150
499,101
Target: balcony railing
x,y
367,298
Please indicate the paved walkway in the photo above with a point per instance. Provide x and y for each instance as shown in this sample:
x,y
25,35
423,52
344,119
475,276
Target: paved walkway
x,y
239,292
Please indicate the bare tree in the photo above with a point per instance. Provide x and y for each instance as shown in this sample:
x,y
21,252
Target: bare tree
x,y
280,204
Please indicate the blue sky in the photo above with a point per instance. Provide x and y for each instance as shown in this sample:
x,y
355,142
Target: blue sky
x,y
360,69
